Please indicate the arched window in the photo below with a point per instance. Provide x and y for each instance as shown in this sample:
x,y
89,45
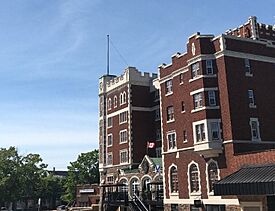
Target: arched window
x,y
145,184
109,104
124,97
135,187
212,175
174,179
194,178
121,98
124,188
115,101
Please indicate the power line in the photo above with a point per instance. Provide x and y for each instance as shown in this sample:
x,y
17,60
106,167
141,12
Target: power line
x,y
120,55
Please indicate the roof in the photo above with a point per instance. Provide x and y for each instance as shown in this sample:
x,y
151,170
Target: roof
x,y
157,161
59,173
250,180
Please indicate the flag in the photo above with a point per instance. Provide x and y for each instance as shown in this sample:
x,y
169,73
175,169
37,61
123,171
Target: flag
x,y
150,145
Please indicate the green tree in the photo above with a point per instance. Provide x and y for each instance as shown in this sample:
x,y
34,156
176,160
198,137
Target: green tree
x,y
82,171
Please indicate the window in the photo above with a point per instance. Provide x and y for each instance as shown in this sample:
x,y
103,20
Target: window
x,y
157,114
158,152
255,129
110,158
174,179
158,134
123,156
170,113
209,67
134,186
174,207
122,98
123,136
110,122
197,100
215,130
200,132
212,175
171,137
115,101
194,178
212,98
184,136
247,66
109,104
181,78
123,117
251,98
195,68
168,87
182,106
110,140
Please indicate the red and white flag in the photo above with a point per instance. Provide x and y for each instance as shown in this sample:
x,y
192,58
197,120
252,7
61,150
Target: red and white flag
x,y
150,145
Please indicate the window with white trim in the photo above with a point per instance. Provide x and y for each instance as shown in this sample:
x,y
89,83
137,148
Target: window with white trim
x,y
169,87
110,140
255,129
115,101
209,67
123,136
122,98
170,113
197,100
124,156
247,66
200,132
181,78
195,69
184,136
171,139
123,117
110,158
110,122
109,104
251,99
158,152
212,98
174,184
213,176
194,178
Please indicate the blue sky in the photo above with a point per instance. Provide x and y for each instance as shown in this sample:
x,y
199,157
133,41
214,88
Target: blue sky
x,y
53,52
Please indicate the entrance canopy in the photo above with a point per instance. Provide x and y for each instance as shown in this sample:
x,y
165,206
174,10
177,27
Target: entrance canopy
x,y
250,180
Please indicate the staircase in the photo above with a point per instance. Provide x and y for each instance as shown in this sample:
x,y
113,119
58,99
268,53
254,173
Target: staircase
x,y
136,204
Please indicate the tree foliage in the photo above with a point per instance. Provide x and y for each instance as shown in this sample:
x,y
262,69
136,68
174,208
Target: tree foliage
x,y
82,171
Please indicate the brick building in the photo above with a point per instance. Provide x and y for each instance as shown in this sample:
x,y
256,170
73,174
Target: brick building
x,y
129,119
217,113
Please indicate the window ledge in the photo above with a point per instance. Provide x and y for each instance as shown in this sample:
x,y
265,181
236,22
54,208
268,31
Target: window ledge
x,y
181,83
249,74
168,94
125,142
183,112
198,109
109,145
256,140
170,121
195,193
196,78
174,193
172,150
203,76
252,106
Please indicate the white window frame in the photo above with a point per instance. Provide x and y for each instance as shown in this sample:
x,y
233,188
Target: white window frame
x,y
120,136
182,107
197,193
200,132
181,77
198,100
169,87
109,154
123,114
120,157
109,104
209,66
111,121
174,143
185,137
211,193
115,101
122,98
207,130
257,129
195,70
170,114
176,193
110,135
212,97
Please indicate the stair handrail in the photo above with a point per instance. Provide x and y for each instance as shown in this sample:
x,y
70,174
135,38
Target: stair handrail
x,y
138,199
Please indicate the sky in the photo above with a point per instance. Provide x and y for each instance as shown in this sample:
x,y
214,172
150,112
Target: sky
x,y
53,52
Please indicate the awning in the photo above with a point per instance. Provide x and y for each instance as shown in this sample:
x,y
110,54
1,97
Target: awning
x,y
250,180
